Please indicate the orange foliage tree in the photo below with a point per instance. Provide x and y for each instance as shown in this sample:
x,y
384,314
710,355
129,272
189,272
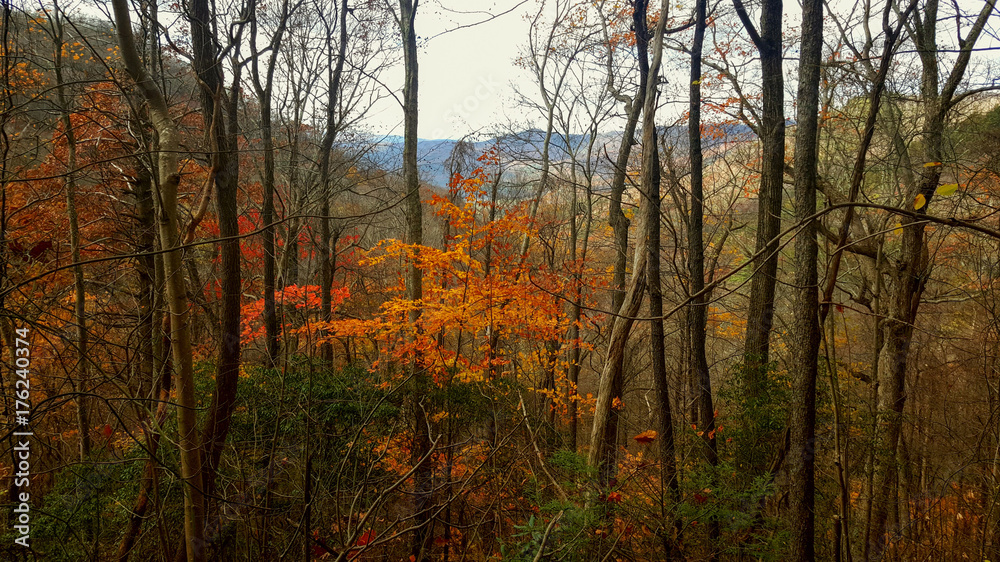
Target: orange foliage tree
x,y
476,284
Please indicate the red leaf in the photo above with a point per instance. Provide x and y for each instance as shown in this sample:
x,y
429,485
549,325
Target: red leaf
x,y
365,538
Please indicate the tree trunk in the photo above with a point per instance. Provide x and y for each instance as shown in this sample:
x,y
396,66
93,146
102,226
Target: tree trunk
x,y
263,89
328,242
219,114
697,311
616,217
166,186
805,333
80,293
573,370
651,194
760,316
604,433
909,273
414,278
155,381
149,471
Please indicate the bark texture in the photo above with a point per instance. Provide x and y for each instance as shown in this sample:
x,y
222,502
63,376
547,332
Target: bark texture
x,y
806,329
165,189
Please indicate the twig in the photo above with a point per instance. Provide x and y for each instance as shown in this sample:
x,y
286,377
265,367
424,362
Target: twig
x,y
538,452
545,537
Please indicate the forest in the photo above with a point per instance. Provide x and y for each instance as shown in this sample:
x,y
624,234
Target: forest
x,y
729,291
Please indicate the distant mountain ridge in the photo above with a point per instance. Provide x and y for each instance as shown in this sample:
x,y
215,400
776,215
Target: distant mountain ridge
x,y
526,147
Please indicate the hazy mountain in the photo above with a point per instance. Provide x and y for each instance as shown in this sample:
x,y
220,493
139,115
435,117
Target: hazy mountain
x,y
526,148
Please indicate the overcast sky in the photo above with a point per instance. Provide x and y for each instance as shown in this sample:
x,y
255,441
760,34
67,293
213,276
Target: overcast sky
x,y
466,59
466,74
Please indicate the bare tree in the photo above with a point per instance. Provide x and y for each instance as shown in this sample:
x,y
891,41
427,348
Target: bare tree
x,y
165,189
650,183
806,331
760,317
219,112
908,273
604,433
56,20
264,89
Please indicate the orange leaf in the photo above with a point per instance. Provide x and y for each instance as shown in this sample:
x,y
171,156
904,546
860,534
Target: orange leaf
x,y
646,437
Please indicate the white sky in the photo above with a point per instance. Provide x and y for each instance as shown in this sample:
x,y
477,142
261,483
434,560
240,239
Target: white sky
x,y
465,75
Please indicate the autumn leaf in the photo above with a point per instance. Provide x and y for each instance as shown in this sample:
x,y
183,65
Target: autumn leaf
x,y
366,538
614,497
919,201
702,496
646,437
946,189
931,164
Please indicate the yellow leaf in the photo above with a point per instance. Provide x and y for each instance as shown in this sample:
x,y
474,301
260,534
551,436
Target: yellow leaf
x,y
898,229
931,164
696,82
919,202
946,189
